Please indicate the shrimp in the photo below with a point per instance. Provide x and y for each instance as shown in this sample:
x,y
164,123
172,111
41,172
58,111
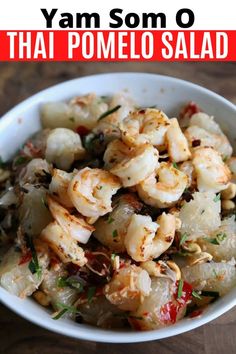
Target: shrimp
x,y
145,126
131,165
146,239
128,287
177,143
90,191
167,191
63,148
212,174
59,186
65,247
205,132
74,225
187,168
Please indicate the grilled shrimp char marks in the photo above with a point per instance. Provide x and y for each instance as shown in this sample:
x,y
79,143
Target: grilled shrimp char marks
x,y
90,191
145,126
167,191
131,165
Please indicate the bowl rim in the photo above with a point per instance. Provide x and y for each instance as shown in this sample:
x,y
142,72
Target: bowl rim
x,y
89,332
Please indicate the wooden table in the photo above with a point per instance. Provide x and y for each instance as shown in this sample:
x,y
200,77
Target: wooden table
x,y
17,336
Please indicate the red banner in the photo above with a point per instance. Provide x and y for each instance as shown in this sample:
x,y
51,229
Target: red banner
x,y
139,45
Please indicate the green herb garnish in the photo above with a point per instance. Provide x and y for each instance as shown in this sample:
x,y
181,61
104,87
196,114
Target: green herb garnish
x,y
72,119
196,295
34,266
180,288
183,238
214,273
62,282
175,165
110,220
113,256
91,293
220,237
44,202
20,160
114,233
110,111
64,309
217,198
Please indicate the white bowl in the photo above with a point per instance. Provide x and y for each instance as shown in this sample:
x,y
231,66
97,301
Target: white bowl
x,y
167,93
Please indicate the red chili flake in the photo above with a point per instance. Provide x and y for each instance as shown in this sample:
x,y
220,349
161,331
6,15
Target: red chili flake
x,y
145,313
25,258
190,109
82,131
195,313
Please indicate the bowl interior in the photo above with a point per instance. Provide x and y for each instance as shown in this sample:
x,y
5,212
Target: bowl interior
x,y
168,94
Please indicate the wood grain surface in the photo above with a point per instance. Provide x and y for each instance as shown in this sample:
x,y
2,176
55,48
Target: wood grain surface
x,y
17,336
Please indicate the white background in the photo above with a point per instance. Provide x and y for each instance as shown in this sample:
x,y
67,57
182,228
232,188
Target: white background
x,y
26,14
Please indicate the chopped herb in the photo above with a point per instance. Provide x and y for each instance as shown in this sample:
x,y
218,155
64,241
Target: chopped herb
x,y
20,160
59,314
62,282
72,119
74,283
64,309
196,295
180,288
225,158
99,187
217,198
175,165
91,293
220,237
34,266
202,211
114,233
183,238
214,273
110,111
110,220
44,202
113,256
